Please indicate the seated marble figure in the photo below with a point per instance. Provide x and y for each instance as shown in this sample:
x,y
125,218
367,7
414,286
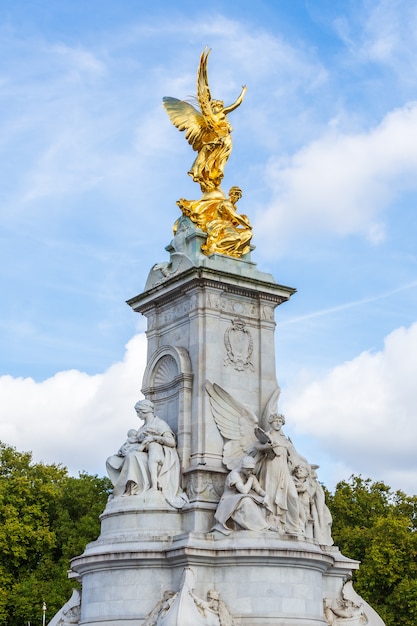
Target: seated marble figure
x,y
244,503
148,460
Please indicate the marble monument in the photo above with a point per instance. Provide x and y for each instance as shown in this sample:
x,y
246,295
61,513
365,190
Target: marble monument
x,y
215,517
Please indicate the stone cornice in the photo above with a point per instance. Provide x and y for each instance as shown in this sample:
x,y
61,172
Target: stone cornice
x,y
198,278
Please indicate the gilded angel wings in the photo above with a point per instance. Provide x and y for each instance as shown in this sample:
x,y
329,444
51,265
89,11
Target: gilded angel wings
x,y
207,130
238,423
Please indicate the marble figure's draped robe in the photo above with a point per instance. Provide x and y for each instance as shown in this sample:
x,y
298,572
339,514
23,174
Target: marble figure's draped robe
x,y
245,509
275,477
132,470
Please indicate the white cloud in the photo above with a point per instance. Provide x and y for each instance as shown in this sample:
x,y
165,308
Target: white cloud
x,y
359,418
341,183
363,412
80,60
389,36
69,127
73,418
380,35
88,119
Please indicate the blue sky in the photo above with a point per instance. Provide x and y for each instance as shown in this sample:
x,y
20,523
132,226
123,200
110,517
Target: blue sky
x,y
325,151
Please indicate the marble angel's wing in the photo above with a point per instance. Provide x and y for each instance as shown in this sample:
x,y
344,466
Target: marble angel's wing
x,y
235,421
271,406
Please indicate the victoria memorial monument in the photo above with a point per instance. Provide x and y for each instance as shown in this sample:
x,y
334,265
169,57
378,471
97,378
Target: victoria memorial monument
x,y
216,518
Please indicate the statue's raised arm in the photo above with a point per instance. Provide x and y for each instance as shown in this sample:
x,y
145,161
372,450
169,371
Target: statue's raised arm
x,y
237,103
208,131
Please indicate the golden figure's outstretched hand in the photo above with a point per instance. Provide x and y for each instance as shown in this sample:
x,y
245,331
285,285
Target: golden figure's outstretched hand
x,y
208,131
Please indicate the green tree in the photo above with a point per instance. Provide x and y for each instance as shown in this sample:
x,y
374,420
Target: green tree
x,y
46,518
378,527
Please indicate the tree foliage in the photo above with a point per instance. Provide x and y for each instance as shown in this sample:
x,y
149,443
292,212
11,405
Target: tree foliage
x,y
378,527
46,518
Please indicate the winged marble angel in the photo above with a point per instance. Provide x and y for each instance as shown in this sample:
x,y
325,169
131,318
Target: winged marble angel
x,y
208,131
274,456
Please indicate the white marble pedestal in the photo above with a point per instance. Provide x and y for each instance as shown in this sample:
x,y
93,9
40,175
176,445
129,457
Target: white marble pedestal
x,y
263,578
209,318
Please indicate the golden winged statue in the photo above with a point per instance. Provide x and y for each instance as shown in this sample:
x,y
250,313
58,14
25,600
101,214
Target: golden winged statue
x,y
208,131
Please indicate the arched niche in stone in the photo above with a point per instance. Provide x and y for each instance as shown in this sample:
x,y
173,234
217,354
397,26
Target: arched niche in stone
x,y
167,381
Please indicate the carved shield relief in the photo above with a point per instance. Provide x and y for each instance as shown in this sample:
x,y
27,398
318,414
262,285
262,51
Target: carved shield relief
x,y
239,346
